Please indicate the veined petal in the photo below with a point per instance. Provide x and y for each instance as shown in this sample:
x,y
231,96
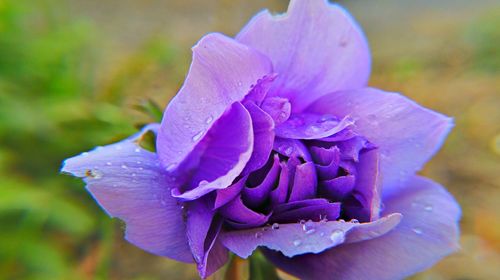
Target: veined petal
x,y
129,183
427,232
222,72
406,134
316,48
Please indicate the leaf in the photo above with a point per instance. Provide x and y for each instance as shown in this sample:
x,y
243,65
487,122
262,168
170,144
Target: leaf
x,y
261,268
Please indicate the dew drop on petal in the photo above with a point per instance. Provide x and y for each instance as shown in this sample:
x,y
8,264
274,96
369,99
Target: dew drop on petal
x,y
337,235
124,166
310,231
171,167
312,129
203,183
355,221
428,208
198,136
417,230
275,226
109,163
137,150
85,154
297,242
209,120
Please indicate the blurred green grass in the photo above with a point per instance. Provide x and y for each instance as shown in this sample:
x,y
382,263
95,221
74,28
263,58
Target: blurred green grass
x,y
65,87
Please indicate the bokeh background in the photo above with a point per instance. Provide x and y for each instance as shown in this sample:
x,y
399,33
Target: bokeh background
x,y
75,74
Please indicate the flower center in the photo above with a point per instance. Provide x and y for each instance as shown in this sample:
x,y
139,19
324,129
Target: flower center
x,y
319,169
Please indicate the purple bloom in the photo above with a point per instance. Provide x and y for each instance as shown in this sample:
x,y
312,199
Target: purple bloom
x,y
276,142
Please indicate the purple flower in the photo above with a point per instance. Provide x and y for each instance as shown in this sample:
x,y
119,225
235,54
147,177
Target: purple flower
x,y
276,142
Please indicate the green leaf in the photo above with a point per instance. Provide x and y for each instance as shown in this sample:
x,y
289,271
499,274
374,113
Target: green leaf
x,y
261,268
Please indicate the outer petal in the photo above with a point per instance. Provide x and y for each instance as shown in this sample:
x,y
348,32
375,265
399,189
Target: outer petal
x,y
427,232
316,48
406,134
310,237
128,183
222,72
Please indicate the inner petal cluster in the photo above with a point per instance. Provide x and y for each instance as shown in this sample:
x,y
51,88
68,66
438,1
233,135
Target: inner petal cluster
x,y
318,169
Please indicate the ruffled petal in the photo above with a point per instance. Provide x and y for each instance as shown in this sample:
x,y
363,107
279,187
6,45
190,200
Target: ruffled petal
x,y
255,196
263,134
239,215
304,182
316,48
365,203
129,183
219,158
302,238
222,72
406,134
428,231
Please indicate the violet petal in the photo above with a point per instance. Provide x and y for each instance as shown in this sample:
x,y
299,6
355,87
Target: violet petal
x,y
316,47
129,183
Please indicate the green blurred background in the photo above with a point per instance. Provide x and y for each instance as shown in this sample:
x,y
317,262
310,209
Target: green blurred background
x,y
75,74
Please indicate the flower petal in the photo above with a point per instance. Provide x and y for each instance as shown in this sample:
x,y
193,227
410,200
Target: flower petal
x,y
219,158
202,232
312,126
406,134
129,183
263,134
428,231
316,48
302,238
222,72
255,196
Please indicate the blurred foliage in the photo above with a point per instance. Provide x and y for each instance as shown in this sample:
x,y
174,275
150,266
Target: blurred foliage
x,y
65,87
52,107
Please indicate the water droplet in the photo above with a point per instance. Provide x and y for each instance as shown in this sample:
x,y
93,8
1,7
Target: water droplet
x,y
198,136
85,154
355,221
312,129
275,226
138,162
428,208
342,220
258,234
171,167
311,231
109,163
337,235
297,242
124,166
203,183
209,120
417,230
137,150
326,118
133,174
302,222
321,234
